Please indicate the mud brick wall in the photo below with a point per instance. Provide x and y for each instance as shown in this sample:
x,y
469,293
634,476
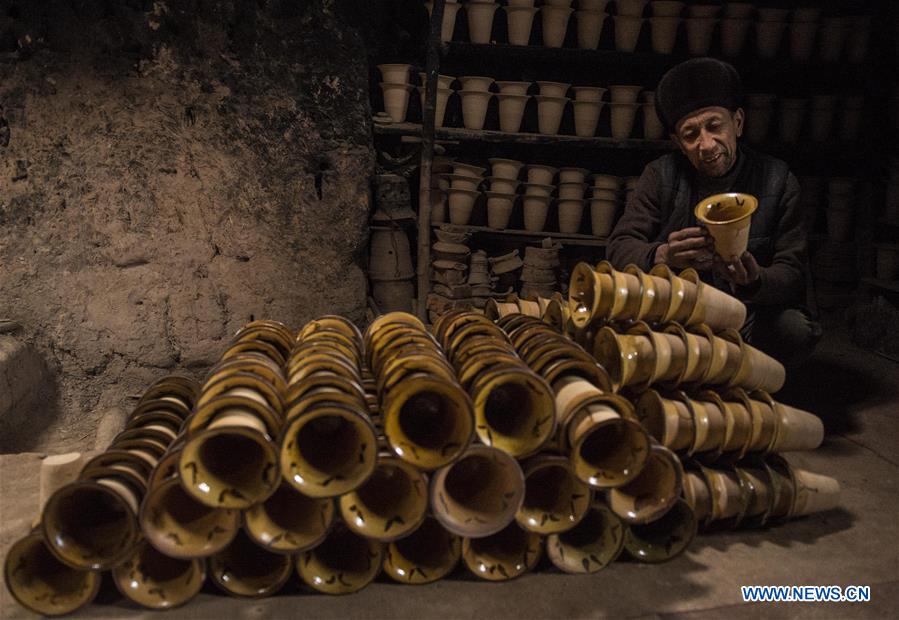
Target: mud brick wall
x,y
170,170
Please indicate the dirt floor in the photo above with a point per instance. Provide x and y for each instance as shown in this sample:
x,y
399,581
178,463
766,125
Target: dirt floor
x,y
857,395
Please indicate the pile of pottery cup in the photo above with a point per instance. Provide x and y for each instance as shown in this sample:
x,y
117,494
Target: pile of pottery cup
x,y
537,192
804,31
552,101
826,117
487,440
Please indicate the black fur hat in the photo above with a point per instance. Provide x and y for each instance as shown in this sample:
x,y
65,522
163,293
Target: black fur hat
x,y
695,84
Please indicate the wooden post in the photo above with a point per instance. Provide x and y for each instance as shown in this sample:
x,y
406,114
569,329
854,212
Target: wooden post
x,y
432,67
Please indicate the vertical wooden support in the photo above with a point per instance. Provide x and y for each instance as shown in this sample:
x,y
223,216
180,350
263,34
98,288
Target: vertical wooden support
x,y
432,67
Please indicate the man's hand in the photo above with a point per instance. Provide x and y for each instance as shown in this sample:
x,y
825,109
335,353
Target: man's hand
x,y
688,247
742,272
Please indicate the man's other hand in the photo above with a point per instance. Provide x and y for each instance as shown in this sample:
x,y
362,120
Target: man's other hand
x,y
688,247
742,272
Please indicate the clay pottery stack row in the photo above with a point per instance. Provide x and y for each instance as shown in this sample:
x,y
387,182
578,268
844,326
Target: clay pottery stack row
x,y
887,261
823,112
730,425
501,196
606,294
476,97
538,277
604,203
624,106
448,25
444,92
390,268
328,446
513,406
585,407
753,493
396,88
640,357
89,522
427,416
504,271
238,417
462,190
840,212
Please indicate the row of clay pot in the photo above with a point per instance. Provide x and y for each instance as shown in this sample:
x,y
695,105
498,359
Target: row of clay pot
x,y
753,493
732,424
513,406
427,416
641,357
89,520
793,114
606,294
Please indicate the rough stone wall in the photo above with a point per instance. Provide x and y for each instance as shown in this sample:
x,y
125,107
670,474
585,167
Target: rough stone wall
x,y
170,170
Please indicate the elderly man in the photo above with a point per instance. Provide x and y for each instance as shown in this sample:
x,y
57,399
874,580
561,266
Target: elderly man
x,y
699,103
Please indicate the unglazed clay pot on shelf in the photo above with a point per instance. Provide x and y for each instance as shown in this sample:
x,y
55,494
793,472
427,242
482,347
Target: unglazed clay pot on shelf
x,y
555,24
513,88
549,113
536,209
624,93
768,35
461,202
589,28
389,256
631,8
443,95
699,34
511,111
602,216
396,100
802,39
823,108
395,73
571,211
627,32
666,8
553,89
759,114
520,22
664,33
652,125
792,114
448,26
499,209
480,20
623,115
474,108
734,31
832,37
541,174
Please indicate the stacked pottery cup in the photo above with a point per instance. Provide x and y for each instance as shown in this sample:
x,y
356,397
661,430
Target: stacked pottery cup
x,y
239,415
571,189
395,88
520,20
444,91
792,116
624,109
512,97
664,23
803,28
851,118
390,268
590,18
463,191
769,30
501,195
426,415
832,37
555,15
475,96
653,129
604,203
551,104
448,26
587,104
701,22
538,276
841,196
628,23
823,108
513,406
735,27
759,116
480,19
537,196
857,38
327,407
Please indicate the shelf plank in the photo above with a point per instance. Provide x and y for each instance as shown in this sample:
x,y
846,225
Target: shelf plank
x,y
887,285
563,238
488,135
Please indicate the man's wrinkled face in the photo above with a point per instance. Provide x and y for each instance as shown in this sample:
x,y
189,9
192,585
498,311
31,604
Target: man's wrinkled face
x,y
708,137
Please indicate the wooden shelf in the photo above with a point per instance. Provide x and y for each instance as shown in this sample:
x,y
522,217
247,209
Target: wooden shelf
x,y
563,238
486,135
886,285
